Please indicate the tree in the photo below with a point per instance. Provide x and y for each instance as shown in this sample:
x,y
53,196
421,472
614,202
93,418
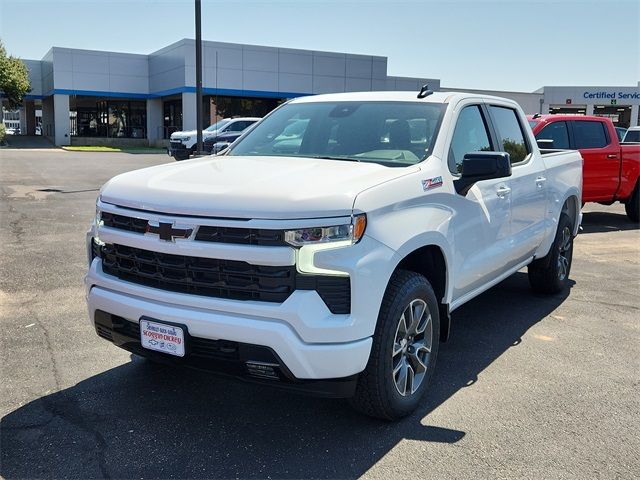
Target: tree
x,y
14,79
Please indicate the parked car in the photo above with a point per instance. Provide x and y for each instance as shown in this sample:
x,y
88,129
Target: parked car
x,y
632,135
333,269
183,144
620,131
215,144
611,170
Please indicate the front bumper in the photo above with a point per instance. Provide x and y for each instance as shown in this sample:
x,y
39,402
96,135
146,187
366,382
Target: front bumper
x,y
177,148
303,360
254,363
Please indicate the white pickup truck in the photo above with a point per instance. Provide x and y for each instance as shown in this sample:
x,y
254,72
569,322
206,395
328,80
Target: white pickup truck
x,y
332,269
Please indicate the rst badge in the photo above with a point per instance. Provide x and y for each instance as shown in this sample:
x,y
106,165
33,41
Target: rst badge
x,y
431,183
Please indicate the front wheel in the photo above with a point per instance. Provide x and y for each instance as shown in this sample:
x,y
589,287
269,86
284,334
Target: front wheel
x,y
404,350
550,274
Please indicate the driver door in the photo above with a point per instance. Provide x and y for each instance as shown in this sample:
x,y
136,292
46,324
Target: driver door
x,y
482,217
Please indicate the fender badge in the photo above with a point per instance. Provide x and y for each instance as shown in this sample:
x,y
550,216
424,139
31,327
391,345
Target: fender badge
x,y
431,183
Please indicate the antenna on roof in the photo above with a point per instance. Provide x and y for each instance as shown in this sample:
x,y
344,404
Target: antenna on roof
x,y
424,91
536,115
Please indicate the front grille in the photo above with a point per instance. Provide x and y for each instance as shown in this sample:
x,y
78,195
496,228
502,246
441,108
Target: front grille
x,y
221,278
242,236
200,276
122,222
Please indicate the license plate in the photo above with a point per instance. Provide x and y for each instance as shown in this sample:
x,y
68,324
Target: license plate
x,y
162,337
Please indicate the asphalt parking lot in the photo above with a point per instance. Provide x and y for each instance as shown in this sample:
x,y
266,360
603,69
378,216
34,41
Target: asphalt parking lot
x,y
528,386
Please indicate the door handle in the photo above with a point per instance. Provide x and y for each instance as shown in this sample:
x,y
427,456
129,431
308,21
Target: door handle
x,y
503,192
540,181
612,155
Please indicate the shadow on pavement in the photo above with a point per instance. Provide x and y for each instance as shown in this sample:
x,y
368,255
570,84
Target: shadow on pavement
x,y
599,222
142,420
28,141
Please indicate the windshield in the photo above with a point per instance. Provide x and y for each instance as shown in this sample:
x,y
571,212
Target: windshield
x,y
216,126
394,134
533,123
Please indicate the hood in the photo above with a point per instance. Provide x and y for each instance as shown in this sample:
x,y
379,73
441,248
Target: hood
x,y
249,187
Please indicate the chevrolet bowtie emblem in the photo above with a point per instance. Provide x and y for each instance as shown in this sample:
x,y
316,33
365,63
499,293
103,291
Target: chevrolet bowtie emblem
x,y
167,232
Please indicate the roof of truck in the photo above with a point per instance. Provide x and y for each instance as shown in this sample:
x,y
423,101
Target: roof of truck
x,y
391,96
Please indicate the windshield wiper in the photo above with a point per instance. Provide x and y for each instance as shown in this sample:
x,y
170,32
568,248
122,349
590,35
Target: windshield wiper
x,y
329,157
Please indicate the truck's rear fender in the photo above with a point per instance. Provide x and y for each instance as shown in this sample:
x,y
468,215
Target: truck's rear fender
x,y
629,171
564,194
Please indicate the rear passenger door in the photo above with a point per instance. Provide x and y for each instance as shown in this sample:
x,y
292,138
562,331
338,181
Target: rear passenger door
x,y
528,182
601,168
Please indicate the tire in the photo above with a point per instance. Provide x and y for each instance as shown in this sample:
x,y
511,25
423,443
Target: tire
x,y
397,343
632,206
550,274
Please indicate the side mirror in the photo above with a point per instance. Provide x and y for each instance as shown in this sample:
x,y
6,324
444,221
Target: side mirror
x,y
477,166
544,143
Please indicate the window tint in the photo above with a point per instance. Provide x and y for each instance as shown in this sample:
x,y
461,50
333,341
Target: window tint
x,y
556,131
632,136
589,134
509,130
238,126
470,135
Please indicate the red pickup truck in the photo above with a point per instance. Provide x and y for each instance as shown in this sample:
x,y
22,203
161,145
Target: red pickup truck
x,y
610,170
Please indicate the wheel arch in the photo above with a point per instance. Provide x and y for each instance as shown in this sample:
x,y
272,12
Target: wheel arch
x,y
431,262
571,207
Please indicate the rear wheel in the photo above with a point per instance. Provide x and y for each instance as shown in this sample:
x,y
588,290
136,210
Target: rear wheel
x,y
550,274
632,206
404,350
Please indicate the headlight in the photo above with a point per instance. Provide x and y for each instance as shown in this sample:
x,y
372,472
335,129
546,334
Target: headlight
x,y
314,240
185,139
349,234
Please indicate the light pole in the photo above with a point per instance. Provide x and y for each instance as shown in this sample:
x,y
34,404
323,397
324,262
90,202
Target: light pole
x,y
198,79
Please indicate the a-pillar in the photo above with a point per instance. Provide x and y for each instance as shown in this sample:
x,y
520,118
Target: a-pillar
x,y
61,119
154,121
188,111
635,121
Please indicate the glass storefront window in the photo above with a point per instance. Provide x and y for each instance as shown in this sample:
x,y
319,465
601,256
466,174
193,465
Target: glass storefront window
x,y
108,118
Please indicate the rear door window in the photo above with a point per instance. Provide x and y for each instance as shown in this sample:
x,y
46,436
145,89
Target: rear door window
x,y
588,134
510,132
556,131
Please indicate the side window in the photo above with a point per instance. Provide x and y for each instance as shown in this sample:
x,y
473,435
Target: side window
x,y
556,131
589,134
470,135
237,126
510,131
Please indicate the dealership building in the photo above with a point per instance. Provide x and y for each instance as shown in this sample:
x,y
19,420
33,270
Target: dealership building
x,y
89,97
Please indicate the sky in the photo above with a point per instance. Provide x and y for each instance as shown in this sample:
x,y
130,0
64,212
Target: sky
x,y
517,45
